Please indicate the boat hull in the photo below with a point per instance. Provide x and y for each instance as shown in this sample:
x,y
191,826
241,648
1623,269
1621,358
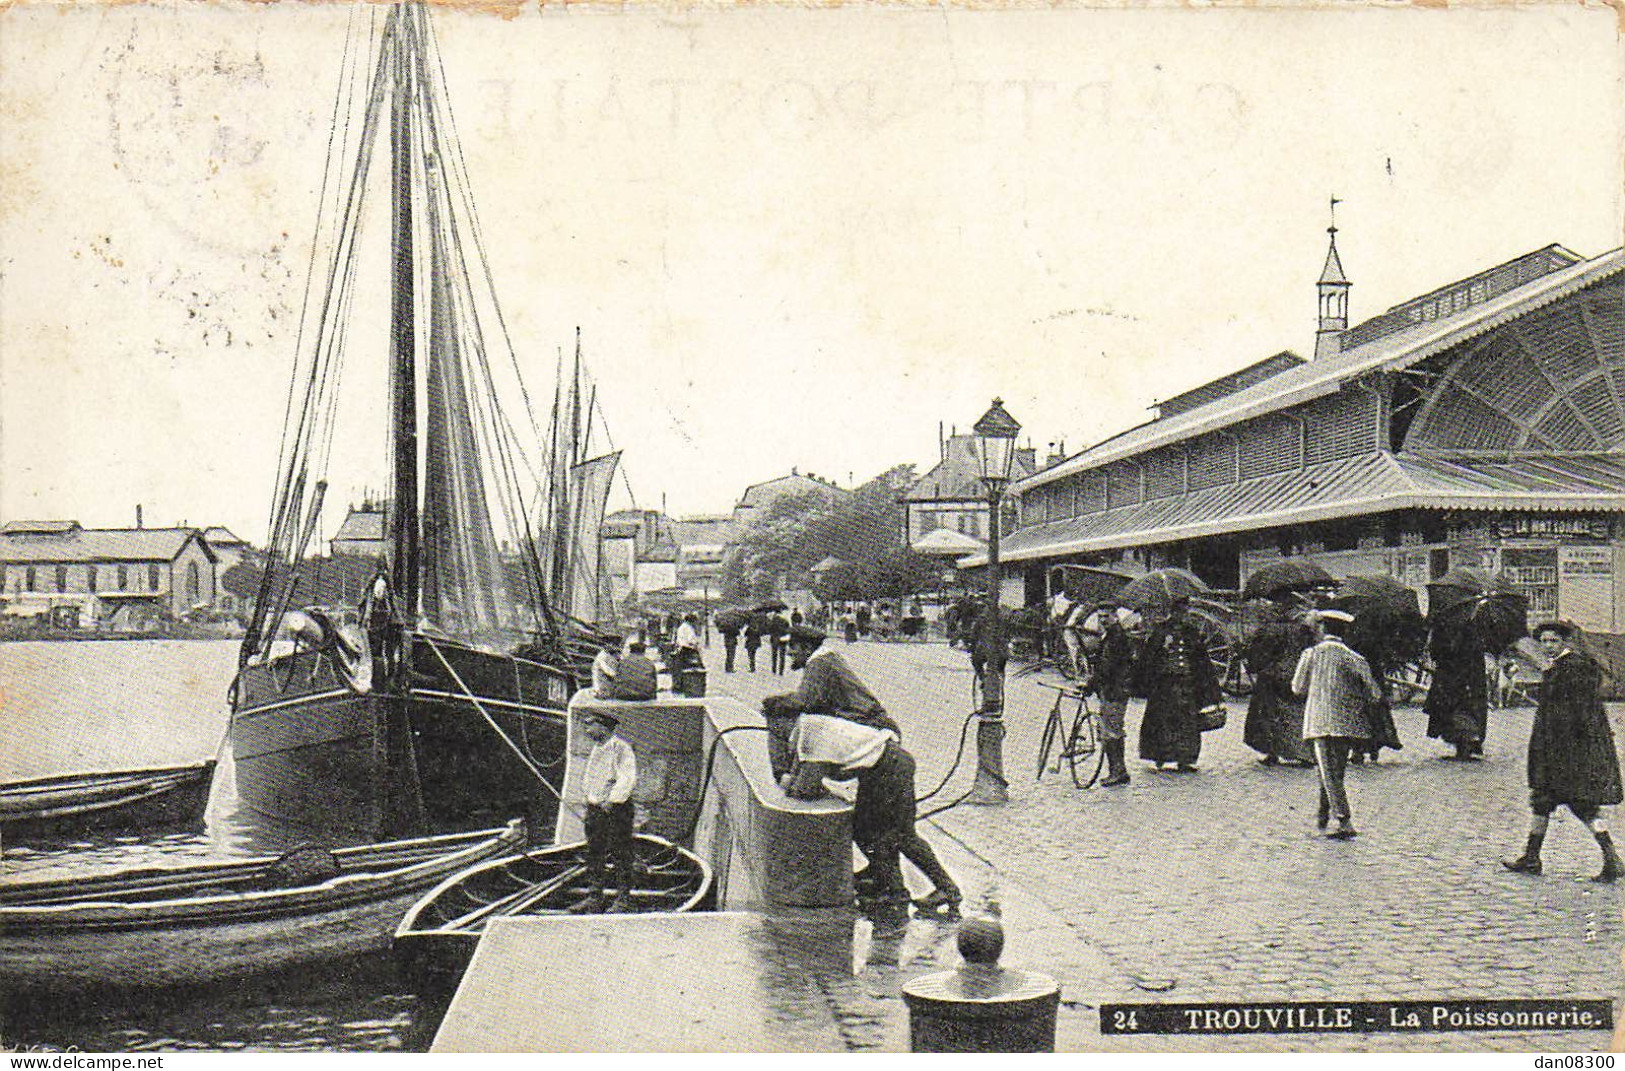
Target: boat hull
x,y
95,934
173,796
313,754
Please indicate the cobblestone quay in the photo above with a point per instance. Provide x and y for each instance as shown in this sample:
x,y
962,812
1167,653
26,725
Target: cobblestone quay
x,y
1212,886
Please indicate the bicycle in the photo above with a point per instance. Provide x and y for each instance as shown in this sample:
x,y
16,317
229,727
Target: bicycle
x,y
1084,751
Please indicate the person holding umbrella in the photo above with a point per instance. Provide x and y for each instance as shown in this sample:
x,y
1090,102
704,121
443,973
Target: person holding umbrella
x,y
753,638
1337,686
1458,700
1572,761
1179,684
1274,726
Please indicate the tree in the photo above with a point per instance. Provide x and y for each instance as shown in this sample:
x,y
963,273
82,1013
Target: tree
x,y
864,529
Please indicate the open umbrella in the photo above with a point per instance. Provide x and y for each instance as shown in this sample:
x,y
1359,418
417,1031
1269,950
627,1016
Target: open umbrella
x,y
1157,590
1377,595
1088,585
770,608
732,618
1495,619
1288,574
1461,585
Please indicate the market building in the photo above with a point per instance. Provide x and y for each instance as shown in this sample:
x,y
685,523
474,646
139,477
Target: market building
x,y
1481,424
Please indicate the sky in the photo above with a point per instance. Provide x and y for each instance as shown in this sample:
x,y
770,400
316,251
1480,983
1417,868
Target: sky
x,y
790,238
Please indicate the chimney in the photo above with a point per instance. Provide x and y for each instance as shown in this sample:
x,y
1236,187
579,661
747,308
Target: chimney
x,y
138,515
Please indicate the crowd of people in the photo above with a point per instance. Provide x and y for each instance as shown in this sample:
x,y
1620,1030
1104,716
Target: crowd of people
x,y
1320,700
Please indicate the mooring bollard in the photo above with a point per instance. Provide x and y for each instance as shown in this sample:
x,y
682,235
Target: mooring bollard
x,y
982,1007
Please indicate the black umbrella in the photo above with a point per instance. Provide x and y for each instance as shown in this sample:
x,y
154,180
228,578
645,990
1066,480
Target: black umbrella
x,y
1157,590
1288,574
1495,619
732,618
1388,624
1381,595
770,608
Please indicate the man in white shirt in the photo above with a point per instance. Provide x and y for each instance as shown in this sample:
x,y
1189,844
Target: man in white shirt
x,y
688,644
883,814
610,776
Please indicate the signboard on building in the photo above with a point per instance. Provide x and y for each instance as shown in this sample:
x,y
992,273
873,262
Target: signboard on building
x,y
1523,526
1585,587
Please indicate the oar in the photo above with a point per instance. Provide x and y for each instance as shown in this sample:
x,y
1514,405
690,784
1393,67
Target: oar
x,y
515,901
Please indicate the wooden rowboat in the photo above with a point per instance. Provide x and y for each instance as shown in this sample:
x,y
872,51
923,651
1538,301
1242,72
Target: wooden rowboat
x,y
123,799
209,922
436,939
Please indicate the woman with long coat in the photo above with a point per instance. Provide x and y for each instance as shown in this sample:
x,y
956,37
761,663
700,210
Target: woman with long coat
x,y
1458,701
1274,726
1572,762
1179,683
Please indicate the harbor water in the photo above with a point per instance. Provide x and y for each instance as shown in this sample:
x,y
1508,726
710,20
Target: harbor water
x,y
83,706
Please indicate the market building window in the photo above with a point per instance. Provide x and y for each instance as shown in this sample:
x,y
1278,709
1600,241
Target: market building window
x,y
153,577
61,579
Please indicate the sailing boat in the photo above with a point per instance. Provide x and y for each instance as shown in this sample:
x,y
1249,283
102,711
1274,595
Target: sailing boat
x,y
438,703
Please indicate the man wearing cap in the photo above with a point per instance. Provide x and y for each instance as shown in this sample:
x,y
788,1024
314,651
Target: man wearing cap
x,y
1337,685
1572,762
883,814
636,677
607,783
1113,682
828,685
843,732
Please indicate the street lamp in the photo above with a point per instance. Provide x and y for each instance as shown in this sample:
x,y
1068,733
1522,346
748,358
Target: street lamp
x,y
996,452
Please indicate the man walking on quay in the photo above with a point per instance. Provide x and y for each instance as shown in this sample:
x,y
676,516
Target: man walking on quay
x,y
1572,762
728,625
753,639
778,638
1337,686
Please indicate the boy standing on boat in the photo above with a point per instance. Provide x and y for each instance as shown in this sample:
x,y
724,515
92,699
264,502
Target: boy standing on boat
x,y
610,777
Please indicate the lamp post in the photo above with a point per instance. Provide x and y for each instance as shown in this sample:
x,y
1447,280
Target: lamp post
x,y
995,451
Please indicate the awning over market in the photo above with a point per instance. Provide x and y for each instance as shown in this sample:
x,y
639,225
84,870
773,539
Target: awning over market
x,y
947,543
1353,487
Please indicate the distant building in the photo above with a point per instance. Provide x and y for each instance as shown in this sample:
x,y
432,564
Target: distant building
x,y
104,577
644,551
363,532
951,494
702,546
229,550
758,497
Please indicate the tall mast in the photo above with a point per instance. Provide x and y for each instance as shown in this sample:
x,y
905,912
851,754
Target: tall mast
x,y
403,519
